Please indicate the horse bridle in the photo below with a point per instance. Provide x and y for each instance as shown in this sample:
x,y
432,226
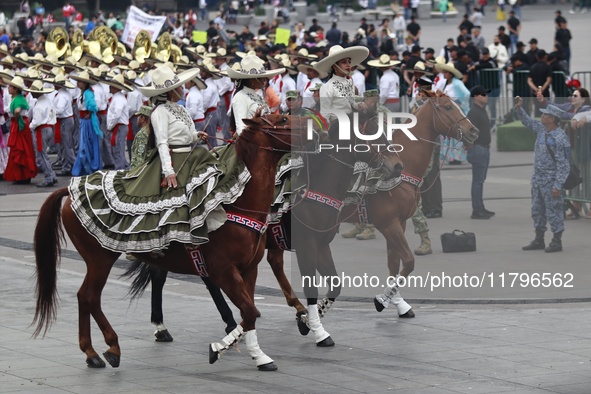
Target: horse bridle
x,y
436,112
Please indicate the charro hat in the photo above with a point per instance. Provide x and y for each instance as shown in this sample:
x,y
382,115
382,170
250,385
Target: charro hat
x,y
118,81
420,68
219,54
23,58
305,67
61,81
84,76
303,53
4,49
165,80
208,66
252,67
357,54
450,68
17,82
383,62
200,83
37,87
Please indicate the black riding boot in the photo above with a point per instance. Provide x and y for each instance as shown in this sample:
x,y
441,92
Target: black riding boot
x,y
555,244
538,243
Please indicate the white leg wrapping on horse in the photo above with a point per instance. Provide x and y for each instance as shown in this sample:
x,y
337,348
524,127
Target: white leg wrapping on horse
x,y
315,325
324,306
401,305
232,338
387,297
159,328
252,346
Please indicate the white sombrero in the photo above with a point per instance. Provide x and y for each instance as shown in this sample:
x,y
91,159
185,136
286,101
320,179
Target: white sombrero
x,y
219,54
118,81
165,80
421,68
4,49
252,67
305,67
17,82
83,76
303,53
383,62
61,81
357,54
37,87
450,68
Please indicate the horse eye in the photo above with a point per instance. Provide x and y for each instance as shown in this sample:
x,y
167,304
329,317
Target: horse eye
x,y
284,119
448,107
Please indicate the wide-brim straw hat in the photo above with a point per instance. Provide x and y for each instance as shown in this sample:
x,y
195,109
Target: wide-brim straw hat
x,y
303,53
357,54
252,67
200,83
421,68
198,52
208,66
31,75
165,80
118,81
451,68
4,49
61,81
303,68
37,87
23,58
219,54
70,62
84,76
383,62
17,82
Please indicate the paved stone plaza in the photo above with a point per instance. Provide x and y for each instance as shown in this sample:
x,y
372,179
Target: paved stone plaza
x,y
474,339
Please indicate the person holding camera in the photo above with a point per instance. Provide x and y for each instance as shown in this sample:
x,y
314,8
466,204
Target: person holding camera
x,y
551,168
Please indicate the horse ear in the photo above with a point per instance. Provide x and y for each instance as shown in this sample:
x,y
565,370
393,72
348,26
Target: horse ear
x,y
250,122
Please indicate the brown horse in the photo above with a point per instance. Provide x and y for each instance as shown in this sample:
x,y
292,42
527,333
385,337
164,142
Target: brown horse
x,y
231,265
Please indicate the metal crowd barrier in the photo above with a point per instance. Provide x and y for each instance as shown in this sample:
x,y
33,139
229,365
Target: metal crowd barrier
x,y
584,77
581,156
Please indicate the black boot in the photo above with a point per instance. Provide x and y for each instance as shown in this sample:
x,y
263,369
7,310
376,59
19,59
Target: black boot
x,y
555,244
538,243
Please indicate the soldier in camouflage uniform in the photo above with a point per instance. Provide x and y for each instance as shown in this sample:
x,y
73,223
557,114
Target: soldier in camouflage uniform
x,y
551,168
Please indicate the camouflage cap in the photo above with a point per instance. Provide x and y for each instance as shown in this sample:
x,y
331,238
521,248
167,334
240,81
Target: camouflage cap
x,y
292,94
371,93
145,110
316,87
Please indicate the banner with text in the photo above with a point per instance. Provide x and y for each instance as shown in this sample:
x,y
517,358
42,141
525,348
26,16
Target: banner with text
x,y
138,20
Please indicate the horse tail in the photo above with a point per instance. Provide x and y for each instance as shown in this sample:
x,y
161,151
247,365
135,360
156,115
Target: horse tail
x,y
48,236
142,276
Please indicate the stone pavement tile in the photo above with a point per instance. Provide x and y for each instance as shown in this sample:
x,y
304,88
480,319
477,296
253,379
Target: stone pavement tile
x,y
439,355
552,379
493,367
579,388
493,386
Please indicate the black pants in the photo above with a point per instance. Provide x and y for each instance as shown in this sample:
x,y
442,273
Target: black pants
x,y
431,192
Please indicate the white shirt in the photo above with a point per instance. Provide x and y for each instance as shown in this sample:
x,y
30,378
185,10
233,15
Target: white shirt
x,y
172,126
63,103
135,100
499,53
308,95
287,84
399,23
439,82
31,101
6,98
43,112
194,103
100,95
389,86
359,82
211,99
337,95
275,83
224,84
118,112
302,82
244,105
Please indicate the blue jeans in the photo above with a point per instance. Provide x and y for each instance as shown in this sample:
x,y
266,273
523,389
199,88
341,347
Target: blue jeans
x,y
514,39
479,157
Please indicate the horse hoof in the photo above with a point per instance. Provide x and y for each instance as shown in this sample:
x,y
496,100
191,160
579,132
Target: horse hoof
x,y
408,314
95,362
229,328
379,306
267,367
163,336
328,342
112,359
213,355
302,326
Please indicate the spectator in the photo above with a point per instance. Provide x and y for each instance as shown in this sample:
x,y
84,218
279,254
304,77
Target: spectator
x,y
414,30
540,78
191,17
246,35
333,36
514,30
477,39
4,39
551,168
263,29
203,9
466,24
90,25
505,40
68,10
445,51
559,20
363,25
414,8
388,43
498,52
479,153
533,50
399,25
516,8
211,31
563,37
443,8
314,26
477,17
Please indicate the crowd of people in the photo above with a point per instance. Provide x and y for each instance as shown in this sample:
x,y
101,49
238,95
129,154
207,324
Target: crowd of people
x,y
90,111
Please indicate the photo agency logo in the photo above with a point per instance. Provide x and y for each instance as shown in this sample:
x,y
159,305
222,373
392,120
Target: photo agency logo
x,y
351,131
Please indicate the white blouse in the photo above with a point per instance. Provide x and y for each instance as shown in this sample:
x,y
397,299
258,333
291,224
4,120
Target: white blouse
x,y
245,103
172,126
337,96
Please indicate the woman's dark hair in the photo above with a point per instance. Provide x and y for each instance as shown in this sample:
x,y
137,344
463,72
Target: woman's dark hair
x,y
86,87
585,94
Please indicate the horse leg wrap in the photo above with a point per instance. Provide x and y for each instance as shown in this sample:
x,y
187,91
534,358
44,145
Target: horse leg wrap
x,y
401,306
324,306
159,327
217,348
316,326
252,346
386,298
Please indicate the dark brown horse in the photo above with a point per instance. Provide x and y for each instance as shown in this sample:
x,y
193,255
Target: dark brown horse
x,y
308,228
231,265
